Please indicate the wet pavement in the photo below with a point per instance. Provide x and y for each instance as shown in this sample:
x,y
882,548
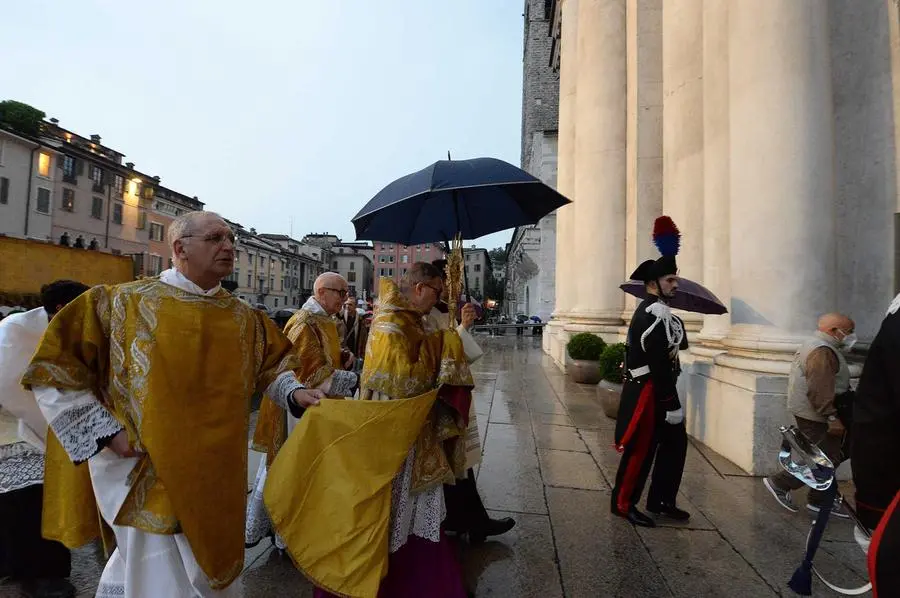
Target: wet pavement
x,y
548,462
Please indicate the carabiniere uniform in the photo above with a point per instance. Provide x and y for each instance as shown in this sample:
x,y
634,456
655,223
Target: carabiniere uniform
x,y
650,424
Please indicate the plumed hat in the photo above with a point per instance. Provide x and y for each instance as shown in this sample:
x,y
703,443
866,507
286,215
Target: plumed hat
x,y
667,239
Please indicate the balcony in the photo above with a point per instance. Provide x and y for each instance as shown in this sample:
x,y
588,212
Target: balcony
x,y
69,177
98,187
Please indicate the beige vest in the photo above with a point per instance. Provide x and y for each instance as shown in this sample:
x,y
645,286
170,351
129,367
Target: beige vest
x,y
797,399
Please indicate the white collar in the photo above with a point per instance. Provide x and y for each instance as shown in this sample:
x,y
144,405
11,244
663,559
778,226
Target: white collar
x,y
313,306
174,278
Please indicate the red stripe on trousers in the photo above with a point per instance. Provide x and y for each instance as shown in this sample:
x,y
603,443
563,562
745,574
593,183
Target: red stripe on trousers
x,y
641,428
876,542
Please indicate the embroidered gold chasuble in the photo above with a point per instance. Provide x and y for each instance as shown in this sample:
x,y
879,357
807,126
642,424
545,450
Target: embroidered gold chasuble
x,y
317,345
177,370
328,492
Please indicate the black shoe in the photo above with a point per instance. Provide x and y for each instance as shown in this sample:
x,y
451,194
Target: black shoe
x,y
635,517
49,588
492,527
670,511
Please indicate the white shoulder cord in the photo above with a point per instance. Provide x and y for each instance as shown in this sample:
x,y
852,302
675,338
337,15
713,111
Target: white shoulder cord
x,y
671,324
894,306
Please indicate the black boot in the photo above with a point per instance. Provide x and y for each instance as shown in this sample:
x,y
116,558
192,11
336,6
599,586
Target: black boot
x,y
670,511
490,527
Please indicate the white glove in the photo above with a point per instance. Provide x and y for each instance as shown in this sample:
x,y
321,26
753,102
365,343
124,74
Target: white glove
x,y
675,417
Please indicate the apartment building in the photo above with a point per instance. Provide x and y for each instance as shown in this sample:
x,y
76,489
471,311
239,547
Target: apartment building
x,y
27,180
167,206
302,266
353,261
259,269
478,268
392,260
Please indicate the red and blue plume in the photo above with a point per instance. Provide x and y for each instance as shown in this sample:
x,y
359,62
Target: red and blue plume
x,y
666,236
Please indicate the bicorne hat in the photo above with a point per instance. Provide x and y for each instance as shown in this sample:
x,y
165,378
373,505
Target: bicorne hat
x,y
667,239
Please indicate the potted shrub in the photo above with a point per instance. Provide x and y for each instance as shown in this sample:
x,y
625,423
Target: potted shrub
x,y
609,390
585,349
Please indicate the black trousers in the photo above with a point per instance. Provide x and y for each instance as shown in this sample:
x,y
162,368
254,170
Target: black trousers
x,y
668,466
24,554
465,511
658,446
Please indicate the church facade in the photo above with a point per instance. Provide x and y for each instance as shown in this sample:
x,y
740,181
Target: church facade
x,y
768,131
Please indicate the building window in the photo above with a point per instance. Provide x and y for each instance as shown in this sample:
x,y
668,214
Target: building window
x,y
68,200
381,272
117,213
404,259
97,178
97,207
147,192
403,272
351,276
68,168
382,246
334,264
4,189
382,259
43,200
249,281
44,164
156,263
390,259
120,184
157,231
468,257
276,301
353,265
419,248
478,267
390,271
142,220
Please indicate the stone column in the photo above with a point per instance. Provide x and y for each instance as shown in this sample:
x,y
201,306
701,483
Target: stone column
x,y
682,56
600,162
565,176
554,341
644,170
782,179
716,182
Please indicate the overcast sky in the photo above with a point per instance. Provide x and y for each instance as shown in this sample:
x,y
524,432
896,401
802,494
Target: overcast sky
x,y
280,109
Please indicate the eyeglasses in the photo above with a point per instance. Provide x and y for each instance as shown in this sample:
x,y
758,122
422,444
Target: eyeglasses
x,y
435,289
215,238
341,292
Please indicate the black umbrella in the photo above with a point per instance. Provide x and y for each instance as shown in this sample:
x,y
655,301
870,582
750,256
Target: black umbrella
x,y
690,296
472,198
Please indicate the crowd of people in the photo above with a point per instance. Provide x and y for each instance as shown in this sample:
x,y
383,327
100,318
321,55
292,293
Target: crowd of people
x,y
126,415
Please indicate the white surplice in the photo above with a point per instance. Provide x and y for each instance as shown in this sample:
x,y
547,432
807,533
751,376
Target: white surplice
x,y
144,565
23,429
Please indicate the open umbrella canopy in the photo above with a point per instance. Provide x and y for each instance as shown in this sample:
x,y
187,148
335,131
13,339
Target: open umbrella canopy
x,y
474,197
690,296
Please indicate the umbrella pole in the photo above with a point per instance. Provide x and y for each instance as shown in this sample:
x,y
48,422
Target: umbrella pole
x,y
459,232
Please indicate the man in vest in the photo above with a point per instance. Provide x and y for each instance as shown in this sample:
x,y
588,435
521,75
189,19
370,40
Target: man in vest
x,y
819,373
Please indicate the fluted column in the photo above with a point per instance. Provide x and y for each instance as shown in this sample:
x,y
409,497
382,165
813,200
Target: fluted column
x,y
565,175
683,132
782,179
644,171
600,161
716,185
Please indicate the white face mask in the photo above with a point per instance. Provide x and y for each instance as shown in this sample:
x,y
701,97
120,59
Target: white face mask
x,y
849,341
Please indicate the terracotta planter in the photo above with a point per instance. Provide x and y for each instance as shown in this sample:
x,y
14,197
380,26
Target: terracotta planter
x,y
609,395
585,372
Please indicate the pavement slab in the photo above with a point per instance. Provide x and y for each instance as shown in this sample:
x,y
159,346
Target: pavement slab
x,y
548,462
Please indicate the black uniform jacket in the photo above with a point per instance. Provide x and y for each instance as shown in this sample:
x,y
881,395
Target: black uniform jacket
x,y
662,360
